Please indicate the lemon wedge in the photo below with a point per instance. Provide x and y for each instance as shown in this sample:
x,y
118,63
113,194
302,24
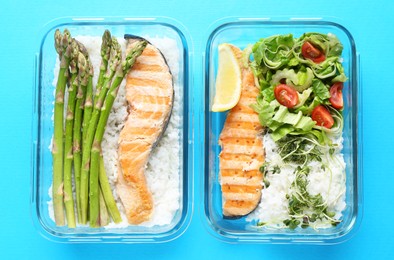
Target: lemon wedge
x,y
228,79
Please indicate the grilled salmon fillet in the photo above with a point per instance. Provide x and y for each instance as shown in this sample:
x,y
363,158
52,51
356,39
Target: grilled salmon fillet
x,y
149,92
242,151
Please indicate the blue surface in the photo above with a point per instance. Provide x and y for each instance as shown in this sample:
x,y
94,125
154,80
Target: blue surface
x,y
370,23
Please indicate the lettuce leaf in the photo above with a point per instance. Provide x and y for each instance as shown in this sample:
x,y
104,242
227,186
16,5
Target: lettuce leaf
x,y
341,77
299,81
275,51
307,109
280,121
268,93
303,97
266,111
320,90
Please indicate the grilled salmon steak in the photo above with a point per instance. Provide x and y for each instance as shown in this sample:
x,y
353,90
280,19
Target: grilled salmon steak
x,y
149,92
242,151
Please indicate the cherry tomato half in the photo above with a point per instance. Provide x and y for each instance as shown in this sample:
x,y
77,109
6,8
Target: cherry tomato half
x,y
336,98
322,116
286,95
312,53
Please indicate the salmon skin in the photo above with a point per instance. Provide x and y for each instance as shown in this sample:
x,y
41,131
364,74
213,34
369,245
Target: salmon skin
x,y
150,95
242,151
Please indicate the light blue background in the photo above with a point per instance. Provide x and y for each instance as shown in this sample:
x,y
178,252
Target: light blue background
x,y
371,24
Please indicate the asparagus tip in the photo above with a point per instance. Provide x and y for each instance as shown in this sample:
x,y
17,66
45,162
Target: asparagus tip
x,y
58,42
82,49
106,45
115,57
133,54
81,61
83,69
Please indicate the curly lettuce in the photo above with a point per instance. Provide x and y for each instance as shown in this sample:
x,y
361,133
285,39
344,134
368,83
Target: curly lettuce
x,y
274,52
300,80
278,60
280,120
332,49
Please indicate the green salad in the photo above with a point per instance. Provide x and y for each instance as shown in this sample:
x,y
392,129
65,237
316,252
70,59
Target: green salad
x,y
301,81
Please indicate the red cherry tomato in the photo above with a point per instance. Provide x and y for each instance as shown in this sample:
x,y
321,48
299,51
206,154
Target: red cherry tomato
x,y
312,53
286,95
322,116
336,98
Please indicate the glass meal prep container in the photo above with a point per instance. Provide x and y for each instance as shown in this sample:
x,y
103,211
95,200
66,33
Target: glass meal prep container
x,y
242,32
46,57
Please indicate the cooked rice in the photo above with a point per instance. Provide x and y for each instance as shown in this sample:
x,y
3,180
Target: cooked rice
x,y
330,183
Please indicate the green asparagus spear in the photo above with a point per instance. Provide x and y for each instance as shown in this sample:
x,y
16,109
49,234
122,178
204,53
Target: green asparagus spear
x,y
121,71
115,59
104,216
89,103
88,106
105,187
59,46
67,49
68,144
84,76
105,55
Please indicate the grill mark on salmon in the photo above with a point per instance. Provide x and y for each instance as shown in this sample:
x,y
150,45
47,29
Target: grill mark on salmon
x,y
237,172
148,67
146,82
153,99
240,133
242,149
148,74
242,152
249,117
238,124
240,165
236,156
252,179
150,93
237,188
149,115
246,109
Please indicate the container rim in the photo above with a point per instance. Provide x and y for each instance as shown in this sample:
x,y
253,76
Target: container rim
x,y
234,237
188,146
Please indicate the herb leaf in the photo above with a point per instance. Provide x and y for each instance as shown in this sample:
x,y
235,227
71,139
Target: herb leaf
x,y
301,203
299,149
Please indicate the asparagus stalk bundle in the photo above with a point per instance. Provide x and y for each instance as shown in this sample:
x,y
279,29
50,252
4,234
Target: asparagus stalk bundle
x,y
83,129
88,107
105,53
115,58
67,50
121,71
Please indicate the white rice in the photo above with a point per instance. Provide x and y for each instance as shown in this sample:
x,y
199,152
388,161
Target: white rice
x,y
330,183
162,172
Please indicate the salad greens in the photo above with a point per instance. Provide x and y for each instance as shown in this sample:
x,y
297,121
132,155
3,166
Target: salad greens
x,y
279,59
